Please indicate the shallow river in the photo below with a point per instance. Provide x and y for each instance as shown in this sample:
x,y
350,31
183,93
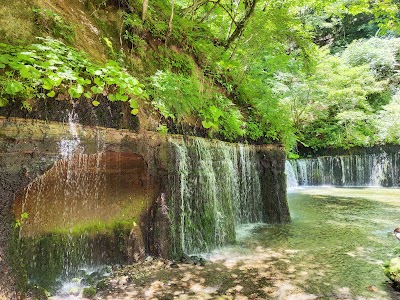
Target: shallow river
x,y
334,248
338,240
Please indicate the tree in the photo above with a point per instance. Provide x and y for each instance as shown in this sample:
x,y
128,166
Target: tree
x,y
170,22
144,11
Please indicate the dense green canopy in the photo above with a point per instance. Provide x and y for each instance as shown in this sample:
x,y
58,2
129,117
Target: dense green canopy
x,y
318,73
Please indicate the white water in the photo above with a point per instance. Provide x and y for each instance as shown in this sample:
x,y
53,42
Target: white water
x,y
374,170
217,186
71,145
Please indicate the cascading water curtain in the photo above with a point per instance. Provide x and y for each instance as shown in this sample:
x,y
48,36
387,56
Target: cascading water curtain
x,y
370,169
216,186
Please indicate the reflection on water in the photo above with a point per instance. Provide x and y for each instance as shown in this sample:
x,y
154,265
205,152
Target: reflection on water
x,y
335,245
333,249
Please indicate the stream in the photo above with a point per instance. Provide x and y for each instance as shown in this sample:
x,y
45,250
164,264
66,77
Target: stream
x,y
334,248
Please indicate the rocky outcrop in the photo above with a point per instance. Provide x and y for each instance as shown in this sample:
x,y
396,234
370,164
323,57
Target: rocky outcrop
x,y
114,195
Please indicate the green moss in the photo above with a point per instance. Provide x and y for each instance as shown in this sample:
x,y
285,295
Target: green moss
x,y
51,23
16,262
392,271
38,293
97,227
48,257
89,292
16,22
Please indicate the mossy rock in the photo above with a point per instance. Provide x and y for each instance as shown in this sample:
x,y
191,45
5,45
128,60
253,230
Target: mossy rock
x,y
392,271
38,293
89,292
101,285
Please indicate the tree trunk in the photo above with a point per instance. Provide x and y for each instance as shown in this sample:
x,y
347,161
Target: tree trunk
x,y
170,22
234,17
250,6
144,11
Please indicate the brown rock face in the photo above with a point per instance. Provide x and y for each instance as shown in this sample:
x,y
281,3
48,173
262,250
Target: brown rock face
x,y
94,195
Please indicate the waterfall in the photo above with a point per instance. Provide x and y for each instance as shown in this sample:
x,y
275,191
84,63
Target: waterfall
x,y
361,169
83,211
291,177
71,144
216,187
93,202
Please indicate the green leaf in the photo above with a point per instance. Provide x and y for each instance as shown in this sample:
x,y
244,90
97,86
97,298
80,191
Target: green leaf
x,y
83,81
133,103
111,80
24,216
68,73
112,97
13,87
99,82
27,71
96,90
88,95
136,91
5,58
47,84
121,97
208,124
2,66
51,94
76,91
3,102
95,103
134,111
55,79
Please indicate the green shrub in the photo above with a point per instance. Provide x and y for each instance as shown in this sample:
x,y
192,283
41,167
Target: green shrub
x,y
175,96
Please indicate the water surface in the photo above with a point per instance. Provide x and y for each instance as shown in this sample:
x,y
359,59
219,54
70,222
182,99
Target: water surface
x,y
337,241
334,248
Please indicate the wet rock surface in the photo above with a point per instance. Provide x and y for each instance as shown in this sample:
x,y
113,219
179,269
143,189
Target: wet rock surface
x,y
33,153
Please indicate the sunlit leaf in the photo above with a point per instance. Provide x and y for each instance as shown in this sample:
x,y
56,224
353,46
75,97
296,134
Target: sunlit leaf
x,y
51,94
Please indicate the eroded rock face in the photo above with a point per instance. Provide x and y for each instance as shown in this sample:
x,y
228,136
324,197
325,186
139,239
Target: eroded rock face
x,y
112,195
64,188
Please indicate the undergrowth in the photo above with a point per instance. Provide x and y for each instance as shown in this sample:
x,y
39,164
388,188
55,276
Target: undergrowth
x,y
187,72
53,70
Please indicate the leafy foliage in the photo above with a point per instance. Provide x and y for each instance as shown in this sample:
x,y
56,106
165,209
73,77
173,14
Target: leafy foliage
x,y
239,69
51,69
179,98
381,54
388,122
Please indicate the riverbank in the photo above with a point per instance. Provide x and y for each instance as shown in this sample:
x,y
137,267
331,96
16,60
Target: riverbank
x,y
248,277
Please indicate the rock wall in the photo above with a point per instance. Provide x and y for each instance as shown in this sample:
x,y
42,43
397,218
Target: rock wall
x,y
30,154
126,176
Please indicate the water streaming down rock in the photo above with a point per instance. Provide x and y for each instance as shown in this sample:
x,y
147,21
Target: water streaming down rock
x,y
361,169
92,201
290,175
81,212
216,187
